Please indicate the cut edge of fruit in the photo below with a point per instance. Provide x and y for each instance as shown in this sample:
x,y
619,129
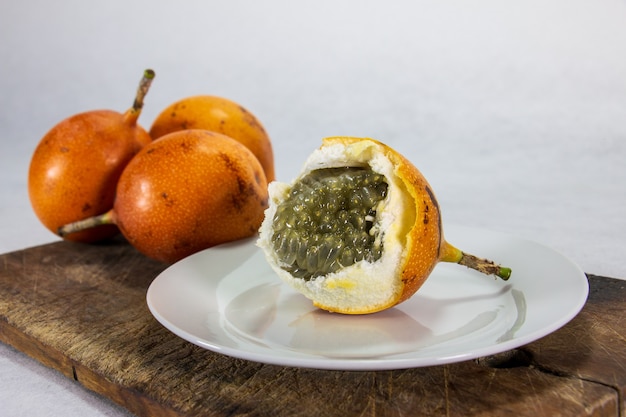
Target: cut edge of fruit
x,y
363,287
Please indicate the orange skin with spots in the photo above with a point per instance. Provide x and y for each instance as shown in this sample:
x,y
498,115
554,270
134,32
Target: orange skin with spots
x,y
222,116
425,243
425,238
188,191
75,167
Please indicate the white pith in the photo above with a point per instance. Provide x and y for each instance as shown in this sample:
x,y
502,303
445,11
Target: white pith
x,y
364,286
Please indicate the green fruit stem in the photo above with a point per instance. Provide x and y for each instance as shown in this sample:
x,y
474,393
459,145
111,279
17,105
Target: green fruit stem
x,y
485,266
88,223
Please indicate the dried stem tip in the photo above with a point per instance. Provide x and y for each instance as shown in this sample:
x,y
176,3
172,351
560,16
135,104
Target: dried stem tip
x,y
144,86
485,266
88,223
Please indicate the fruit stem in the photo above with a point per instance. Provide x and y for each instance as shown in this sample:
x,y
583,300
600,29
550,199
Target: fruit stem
x,y
485,266
144,85
88,223
449,253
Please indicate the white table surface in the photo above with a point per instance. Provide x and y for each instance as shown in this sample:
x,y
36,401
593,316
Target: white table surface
x,y
515,111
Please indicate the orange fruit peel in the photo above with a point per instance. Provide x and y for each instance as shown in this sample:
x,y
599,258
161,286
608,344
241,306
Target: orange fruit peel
x,y
407,226
188,191
75,167
220,115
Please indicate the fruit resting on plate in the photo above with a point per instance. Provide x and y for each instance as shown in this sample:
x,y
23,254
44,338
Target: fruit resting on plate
x,y
185,192
75,167
359,230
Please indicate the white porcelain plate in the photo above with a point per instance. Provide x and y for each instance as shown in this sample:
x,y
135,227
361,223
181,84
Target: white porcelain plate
x,y
228,300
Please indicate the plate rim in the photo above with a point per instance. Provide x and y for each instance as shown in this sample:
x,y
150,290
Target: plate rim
x,y
372,363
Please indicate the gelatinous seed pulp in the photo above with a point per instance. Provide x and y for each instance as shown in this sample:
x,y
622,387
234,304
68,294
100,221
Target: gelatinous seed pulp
x,y
328,221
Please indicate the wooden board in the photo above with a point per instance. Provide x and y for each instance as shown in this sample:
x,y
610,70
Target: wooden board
x,y
81,309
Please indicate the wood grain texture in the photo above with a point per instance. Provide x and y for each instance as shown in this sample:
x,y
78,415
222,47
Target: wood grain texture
x,y
81,309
